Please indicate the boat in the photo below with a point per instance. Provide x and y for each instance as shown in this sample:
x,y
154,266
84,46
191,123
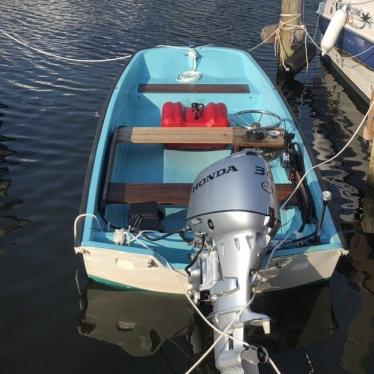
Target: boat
x,y
199,183
352,49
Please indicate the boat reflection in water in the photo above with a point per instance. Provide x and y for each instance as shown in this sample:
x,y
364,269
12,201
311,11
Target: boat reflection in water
x,y
139,322
144,323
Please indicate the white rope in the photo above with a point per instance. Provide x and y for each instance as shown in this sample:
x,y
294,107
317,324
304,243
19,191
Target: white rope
x,y
191,75
361,53
274,366
309,36
290,15
263,42
306,50
173,46
317,24
197,363
287,26
359,3
276,247
217,330
330,159
313,41
17,40
126,237
344,59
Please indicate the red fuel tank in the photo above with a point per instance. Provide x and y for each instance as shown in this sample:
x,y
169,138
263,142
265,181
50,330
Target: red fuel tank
x,y
198,115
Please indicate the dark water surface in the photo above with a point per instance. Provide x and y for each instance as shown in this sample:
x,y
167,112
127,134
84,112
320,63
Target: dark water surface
x,y
49,110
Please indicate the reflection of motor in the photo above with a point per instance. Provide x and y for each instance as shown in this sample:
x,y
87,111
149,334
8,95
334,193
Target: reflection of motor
x,y
233,204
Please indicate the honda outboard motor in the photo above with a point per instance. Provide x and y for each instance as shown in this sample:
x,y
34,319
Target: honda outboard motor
x,y
233,204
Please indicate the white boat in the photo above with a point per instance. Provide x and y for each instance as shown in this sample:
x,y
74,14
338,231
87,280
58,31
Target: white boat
x,y
353,53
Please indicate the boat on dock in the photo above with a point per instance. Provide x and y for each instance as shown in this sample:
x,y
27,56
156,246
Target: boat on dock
x,y
190,189
351,52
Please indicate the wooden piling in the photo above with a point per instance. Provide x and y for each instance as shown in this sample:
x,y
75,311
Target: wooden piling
x,y
368,221
369,135
290,15
368,132
370,177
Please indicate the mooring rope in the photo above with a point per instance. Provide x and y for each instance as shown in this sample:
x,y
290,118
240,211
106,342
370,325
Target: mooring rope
x,y
330,159
288,25
283,25
75,60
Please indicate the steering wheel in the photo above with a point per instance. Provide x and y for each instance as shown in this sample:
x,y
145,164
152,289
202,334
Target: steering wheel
x,y
257,124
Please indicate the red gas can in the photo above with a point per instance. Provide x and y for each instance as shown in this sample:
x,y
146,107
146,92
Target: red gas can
x,y
198,115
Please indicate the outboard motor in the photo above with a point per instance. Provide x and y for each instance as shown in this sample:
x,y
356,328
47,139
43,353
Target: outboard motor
x,y
233,205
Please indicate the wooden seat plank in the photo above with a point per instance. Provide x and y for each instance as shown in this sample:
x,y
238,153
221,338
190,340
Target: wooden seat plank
x,y
168,193
162,193
193,88
197,135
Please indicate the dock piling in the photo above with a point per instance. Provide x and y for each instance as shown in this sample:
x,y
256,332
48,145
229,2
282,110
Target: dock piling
x,y
368,134
290,16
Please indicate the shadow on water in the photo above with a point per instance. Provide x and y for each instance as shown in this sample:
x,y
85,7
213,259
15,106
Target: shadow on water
x,y
9,221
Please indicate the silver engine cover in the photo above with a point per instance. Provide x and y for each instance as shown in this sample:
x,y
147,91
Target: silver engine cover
x,y
233,194
233,203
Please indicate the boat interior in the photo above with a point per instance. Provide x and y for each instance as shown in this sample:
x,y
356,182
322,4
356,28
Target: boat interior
x,y
137,160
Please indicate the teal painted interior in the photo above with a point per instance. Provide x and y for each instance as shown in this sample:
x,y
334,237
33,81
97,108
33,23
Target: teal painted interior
x,y
153,163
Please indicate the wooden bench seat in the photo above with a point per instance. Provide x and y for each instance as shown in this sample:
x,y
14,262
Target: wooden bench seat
x,y
193,88
235,136
168,193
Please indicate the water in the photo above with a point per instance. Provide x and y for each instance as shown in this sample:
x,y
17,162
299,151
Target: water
x,y
49,110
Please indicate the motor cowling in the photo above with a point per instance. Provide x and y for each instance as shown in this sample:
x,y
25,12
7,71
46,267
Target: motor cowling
x,y
233,204
234,194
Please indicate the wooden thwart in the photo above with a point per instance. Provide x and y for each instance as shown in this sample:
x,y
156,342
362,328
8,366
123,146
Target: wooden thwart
x,y
168,193
197,135
193,88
